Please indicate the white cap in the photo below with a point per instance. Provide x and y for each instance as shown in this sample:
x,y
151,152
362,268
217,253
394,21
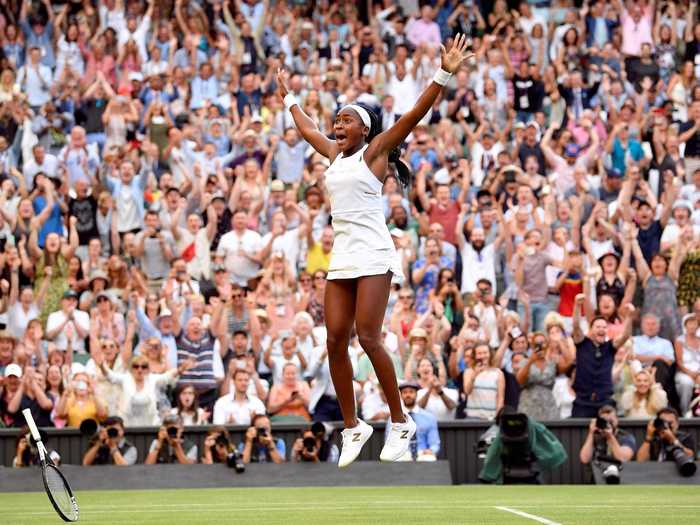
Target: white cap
x,y
13,369
442,176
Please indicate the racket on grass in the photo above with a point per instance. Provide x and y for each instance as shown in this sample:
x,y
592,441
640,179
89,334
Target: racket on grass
x,y
57,488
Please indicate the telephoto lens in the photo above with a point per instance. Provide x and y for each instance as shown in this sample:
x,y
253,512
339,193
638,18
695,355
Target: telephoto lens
x,y
234,461
172,432
685,463
309,444
112,432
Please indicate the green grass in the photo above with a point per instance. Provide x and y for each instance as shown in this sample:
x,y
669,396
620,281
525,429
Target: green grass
x,y
567,505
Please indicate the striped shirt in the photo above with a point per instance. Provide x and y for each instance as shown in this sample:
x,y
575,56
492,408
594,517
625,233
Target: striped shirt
x,y
482,401
201,376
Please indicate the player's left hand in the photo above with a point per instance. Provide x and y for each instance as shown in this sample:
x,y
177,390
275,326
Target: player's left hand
x,y
451,60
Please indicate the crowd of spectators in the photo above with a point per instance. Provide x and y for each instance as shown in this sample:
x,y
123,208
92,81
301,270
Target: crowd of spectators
x,y
165,234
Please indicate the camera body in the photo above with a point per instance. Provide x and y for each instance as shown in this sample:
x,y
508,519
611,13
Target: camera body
x,y
172,431
233,458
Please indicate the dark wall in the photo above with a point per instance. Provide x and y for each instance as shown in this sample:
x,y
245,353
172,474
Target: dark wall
x,y
458,441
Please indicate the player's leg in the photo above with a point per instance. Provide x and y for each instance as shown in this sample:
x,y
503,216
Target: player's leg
x,y
339,306
372,297
340,315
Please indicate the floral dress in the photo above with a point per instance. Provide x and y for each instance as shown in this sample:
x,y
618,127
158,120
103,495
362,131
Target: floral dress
x,y
660,300
57,286
689,280
536,397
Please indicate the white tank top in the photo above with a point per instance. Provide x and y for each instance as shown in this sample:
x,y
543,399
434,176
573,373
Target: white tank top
x,y
356,206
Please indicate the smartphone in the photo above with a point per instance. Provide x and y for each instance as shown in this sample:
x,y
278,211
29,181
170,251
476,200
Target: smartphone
x,y
516,332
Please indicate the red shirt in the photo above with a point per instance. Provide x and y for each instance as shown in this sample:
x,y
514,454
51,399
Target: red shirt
x,y
447,217
573,285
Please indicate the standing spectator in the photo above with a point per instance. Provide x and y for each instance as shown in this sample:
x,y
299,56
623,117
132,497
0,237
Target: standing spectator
x,y
484,385
290,396
238,407
433,396
536,378
595,355
687,354
530,275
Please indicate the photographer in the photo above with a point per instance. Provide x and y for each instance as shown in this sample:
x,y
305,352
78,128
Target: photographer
x,y
170,447
108,446
219,449
259,445
663,438
606,441
26,453
313,446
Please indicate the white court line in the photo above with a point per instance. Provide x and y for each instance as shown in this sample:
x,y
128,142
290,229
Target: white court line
x,y
528,516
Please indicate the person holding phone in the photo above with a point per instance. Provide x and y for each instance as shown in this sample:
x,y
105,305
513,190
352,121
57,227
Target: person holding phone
x,y
290,397
484,385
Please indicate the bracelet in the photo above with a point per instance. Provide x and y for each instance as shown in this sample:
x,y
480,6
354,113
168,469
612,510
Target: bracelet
x,y
290,100
442,77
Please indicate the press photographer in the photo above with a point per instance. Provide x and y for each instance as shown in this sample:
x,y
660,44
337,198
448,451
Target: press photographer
x,y
26,452
259,445
665,442
313,446
219,449
108,446
607,447
170,447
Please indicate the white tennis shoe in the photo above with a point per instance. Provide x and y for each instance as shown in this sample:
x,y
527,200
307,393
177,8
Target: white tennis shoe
x,y
398,440
353,441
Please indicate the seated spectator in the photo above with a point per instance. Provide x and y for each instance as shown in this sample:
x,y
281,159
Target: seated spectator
x,y
259,445
425,444
290,397
434,397
323,403
661,439
484,385
68,324
187,407
374,405
170,447
687,348
645,398
657,352
109,447
313,446
278,355
612,442
238,407
80,402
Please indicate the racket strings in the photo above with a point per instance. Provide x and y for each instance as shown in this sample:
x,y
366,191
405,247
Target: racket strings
x,y
59,492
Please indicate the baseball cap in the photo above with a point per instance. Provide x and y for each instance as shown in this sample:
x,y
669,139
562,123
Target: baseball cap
x,y
442,176
13,369
614,173
683,204
519,125
70,294
277,185
135,75
409,384
533,124
571,150
256,119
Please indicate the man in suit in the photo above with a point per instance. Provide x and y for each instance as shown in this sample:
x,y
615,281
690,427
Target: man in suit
x,y
578,96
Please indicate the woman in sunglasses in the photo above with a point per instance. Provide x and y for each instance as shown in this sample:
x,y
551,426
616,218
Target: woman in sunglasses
x,y
105,320
140,389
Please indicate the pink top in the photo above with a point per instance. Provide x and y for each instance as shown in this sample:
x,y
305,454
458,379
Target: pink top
x,y
634,34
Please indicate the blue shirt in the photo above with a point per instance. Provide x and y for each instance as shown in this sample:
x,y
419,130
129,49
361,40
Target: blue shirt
x,y
646,346
428,282
594,364
620,153
54,224
427,436
260,454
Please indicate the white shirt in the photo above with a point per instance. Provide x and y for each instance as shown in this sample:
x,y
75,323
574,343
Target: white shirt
x,y
139,37
80,318
287,243
405,93
229,411
18,319
436,406
31,168
480,158
477,265
199,266
35,83
240,267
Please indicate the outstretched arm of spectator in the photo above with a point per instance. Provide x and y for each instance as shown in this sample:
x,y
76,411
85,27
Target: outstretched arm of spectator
x,y
577,333
627,327
641,263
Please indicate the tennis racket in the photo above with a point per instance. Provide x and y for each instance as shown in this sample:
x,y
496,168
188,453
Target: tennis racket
x,y
57,488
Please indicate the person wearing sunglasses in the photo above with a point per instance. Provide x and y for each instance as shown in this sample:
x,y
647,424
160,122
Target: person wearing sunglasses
x,y
140,388
105,320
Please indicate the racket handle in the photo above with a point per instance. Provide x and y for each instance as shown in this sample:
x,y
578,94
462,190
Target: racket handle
x,y
27,413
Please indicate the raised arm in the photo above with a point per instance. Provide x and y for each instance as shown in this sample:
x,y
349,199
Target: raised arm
x,y
306,127
393,137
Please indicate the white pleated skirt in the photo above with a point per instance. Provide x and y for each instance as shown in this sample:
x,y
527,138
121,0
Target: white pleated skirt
x,y
371,262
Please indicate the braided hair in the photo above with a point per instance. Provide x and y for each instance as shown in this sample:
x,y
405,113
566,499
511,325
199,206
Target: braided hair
x,y
403,173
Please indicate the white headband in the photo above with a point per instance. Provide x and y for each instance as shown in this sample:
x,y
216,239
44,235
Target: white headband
x,y
362,112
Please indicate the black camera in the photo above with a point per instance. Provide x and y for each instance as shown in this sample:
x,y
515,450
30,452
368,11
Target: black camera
x,y
660,424
112,432
685,463
172,432
234,461
309,444
601,423
262,432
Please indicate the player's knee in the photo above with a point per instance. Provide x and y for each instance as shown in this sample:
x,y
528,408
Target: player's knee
x,y
336,344
370,343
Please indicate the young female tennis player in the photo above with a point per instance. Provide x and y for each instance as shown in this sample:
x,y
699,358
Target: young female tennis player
x,y
363,260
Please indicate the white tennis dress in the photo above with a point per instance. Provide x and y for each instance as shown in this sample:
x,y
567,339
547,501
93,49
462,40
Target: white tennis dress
x,y
362,244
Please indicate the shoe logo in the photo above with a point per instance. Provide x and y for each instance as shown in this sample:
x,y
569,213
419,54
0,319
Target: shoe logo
x,y
356,436
404,434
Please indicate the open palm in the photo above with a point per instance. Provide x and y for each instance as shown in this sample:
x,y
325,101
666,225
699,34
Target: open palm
x,y
456,55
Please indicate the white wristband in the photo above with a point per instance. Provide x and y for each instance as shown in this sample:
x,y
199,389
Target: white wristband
x,y
290,100
442,77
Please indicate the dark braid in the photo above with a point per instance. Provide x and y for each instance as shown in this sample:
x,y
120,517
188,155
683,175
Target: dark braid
x,y
403,173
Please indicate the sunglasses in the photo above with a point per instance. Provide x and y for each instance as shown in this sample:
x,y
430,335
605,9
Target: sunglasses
x,y
236,295
102,300
319,278
142,367
305,280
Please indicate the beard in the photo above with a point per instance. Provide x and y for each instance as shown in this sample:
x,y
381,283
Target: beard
x,y
478,245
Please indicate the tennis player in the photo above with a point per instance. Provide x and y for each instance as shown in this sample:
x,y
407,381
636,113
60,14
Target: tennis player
x,y
364,261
